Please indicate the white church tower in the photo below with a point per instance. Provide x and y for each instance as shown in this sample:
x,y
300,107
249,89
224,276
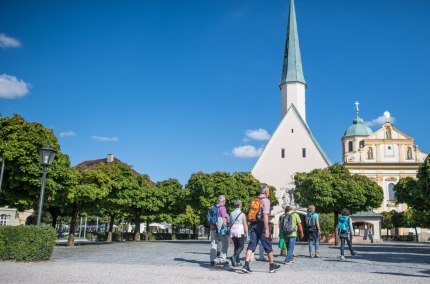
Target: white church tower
x,y
292,147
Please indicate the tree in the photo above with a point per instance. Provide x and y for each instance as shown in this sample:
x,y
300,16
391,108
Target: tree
x,y
416,194
121,177
23,173
91,185
334,188
204,190
141,199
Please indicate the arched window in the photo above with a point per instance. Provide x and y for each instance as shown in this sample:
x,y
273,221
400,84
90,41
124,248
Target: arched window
x,y
350,149
362,144
391,195
409,154
370,154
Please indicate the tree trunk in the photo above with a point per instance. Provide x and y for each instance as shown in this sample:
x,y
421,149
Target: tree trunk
x,y
195,234
54,215
112,220
416,234
336,217
137,225
147,226
72,229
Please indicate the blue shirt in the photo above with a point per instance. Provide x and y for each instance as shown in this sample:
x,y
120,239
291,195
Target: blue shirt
x,y
314,217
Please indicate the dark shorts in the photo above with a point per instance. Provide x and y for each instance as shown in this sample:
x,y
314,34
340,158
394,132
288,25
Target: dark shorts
x,y
257,234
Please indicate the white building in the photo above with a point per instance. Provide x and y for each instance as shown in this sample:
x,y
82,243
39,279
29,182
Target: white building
x,y
386,156
292,147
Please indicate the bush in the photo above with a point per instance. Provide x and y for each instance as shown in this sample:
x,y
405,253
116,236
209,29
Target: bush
x,y
26,243
326,224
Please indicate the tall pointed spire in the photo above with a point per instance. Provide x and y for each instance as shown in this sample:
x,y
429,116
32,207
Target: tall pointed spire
x,y
292,70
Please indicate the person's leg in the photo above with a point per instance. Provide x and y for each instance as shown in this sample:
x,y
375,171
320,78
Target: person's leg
x,y
239,249
224,247
342,246
311,244
290,249
350,246
261,251
214,245
253,242
317,246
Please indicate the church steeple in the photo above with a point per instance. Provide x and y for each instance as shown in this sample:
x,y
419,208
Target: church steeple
x,y
293,84
292,70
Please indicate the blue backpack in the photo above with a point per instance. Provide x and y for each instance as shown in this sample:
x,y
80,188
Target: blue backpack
x,y
343,225
213,215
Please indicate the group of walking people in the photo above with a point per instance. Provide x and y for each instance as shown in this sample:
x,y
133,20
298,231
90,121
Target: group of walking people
x,y
252,227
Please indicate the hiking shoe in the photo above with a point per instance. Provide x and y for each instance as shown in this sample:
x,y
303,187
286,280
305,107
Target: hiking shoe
x,y
317,255
233,261
238,263
342,257
246,269
311,255
288,262
274,267
353,253
212,263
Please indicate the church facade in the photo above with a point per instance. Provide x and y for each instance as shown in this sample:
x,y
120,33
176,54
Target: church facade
x,y
386,156
292,147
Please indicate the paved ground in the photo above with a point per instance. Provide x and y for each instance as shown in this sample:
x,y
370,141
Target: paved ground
x,y
188,262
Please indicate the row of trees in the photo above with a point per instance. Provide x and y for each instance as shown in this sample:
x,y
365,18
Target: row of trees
x,y
106,189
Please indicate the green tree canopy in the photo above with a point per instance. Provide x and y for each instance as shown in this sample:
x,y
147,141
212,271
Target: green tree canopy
x,y
204,190
23,173
334,188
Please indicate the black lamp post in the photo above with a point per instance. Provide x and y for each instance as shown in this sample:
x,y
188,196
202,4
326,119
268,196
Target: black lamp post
x,y
46,156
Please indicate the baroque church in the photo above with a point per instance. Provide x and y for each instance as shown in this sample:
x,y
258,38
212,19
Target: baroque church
x,y
385,155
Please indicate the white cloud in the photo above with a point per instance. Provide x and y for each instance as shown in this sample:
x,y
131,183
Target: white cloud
x,y
257,134
379,121
8,42
12,87
104,139
67,134
247,151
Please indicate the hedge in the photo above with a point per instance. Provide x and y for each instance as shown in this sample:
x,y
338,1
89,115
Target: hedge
x,y
26,243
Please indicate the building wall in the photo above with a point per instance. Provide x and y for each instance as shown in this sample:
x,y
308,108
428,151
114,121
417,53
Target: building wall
x,y
13,217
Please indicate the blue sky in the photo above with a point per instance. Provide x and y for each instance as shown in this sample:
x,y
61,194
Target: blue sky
x,y
171,87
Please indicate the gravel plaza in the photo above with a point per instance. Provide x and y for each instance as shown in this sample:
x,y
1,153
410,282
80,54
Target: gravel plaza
x,y
188,262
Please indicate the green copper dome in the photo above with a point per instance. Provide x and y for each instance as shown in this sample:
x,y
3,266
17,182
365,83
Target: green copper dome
x,y
358,128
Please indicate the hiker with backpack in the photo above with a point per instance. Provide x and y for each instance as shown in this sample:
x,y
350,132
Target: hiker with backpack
x,y
238,232
217,218
313,230
344,228
258,216
289,226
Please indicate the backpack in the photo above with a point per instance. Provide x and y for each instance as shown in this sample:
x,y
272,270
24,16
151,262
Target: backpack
x,y
254,210
287,225
213,215
309,221
343,225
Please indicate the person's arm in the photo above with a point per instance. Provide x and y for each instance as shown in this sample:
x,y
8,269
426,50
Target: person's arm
x,y
318,223
245,224
266,224
300,230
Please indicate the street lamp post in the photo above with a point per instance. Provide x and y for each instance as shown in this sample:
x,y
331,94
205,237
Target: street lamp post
x,y
46,156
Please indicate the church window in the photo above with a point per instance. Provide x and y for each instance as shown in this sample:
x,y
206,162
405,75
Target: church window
x,y
409,154
292,130
370,154
362,144
350,149
391,195
283,153
3,220
304,152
